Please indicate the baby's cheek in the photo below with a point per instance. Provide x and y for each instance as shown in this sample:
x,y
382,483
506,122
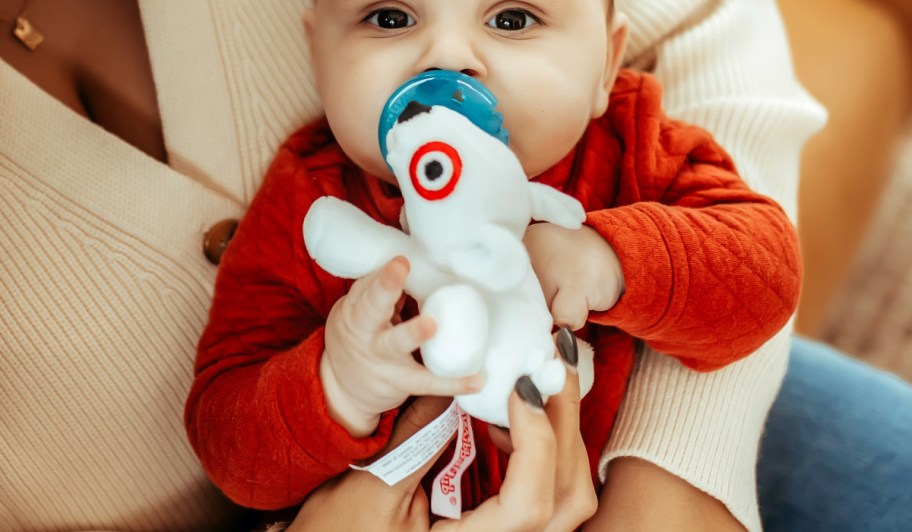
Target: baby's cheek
x,y
359,142
540,151
545,136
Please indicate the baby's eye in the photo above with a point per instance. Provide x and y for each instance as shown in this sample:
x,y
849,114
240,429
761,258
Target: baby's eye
x,y
390,19
512,20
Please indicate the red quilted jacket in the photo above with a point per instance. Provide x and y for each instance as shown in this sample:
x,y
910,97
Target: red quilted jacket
x,y
712,270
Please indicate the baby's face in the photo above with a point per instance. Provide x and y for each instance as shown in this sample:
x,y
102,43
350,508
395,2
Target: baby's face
x,y
549,62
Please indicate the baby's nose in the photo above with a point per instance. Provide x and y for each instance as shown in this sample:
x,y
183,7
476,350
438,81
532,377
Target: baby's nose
x,y
466,71
452,50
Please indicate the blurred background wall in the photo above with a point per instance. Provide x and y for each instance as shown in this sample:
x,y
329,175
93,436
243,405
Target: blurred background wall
x,y
855,201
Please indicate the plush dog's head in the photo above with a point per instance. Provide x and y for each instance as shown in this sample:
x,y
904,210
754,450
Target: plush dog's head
x,y
454,177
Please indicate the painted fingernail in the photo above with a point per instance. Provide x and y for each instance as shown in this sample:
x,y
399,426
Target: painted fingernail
x,y
527,391
566,346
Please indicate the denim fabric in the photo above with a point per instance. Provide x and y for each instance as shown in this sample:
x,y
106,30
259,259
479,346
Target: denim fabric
x,y
837,453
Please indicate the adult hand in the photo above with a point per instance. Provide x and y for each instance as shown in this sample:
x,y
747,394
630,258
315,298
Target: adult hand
x,y
357,500
547,486
573,499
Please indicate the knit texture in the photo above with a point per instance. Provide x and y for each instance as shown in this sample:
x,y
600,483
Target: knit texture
x,y
103,285
726,66
81,449
100,312
711,268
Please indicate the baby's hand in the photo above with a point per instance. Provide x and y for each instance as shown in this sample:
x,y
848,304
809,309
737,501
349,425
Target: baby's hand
x,y
578,271
367,366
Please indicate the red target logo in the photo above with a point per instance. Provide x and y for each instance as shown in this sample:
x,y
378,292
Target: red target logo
x,y
435,169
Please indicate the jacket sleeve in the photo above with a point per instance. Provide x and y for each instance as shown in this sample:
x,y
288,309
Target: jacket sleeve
x,y
712,269
256,414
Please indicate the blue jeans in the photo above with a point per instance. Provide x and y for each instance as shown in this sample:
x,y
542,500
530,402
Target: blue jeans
x,y
837,453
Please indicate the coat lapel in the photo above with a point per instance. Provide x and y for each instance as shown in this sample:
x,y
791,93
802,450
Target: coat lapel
x,y
233,81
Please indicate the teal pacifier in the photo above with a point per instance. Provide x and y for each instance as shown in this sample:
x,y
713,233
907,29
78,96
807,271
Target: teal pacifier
x,y
455,90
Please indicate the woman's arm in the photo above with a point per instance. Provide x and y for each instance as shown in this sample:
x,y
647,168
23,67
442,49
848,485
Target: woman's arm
x,y
725,66
638,495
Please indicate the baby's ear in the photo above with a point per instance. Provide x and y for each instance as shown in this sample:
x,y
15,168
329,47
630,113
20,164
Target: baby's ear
x,y
617,33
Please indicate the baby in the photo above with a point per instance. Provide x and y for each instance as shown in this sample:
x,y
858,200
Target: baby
x,y
299,373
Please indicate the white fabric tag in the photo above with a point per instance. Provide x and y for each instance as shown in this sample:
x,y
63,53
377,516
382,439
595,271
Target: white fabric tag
x,y
414,452
446,493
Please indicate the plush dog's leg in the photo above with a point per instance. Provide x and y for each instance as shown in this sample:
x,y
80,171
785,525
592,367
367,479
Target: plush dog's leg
x,y
458,348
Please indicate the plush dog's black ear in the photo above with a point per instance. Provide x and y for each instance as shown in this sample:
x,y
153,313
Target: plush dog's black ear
x,y
411,110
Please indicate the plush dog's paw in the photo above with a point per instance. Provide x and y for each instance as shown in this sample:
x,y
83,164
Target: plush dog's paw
x,y
460,344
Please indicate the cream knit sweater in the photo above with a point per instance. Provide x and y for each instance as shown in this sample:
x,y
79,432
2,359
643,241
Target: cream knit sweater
x,y
104,289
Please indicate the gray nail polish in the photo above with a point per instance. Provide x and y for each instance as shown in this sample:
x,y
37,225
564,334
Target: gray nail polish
x,y
566,346
527,391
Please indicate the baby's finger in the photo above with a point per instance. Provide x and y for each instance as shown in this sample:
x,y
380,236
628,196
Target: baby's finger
x,y
375,302
570,308
418,380
400,340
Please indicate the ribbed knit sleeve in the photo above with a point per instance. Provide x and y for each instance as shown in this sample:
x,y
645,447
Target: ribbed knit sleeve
x,y
725,66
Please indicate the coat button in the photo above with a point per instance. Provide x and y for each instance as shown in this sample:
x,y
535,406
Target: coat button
x,y
216,240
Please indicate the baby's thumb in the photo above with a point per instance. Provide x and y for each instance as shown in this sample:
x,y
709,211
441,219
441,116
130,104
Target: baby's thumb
x,y
570,308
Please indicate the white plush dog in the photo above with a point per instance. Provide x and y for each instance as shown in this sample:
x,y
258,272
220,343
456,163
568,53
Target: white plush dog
x,y
467,204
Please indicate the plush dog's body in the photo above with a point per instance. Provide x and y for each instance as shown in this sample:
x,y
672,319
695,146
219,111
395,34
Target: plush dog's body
x,y
467,203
